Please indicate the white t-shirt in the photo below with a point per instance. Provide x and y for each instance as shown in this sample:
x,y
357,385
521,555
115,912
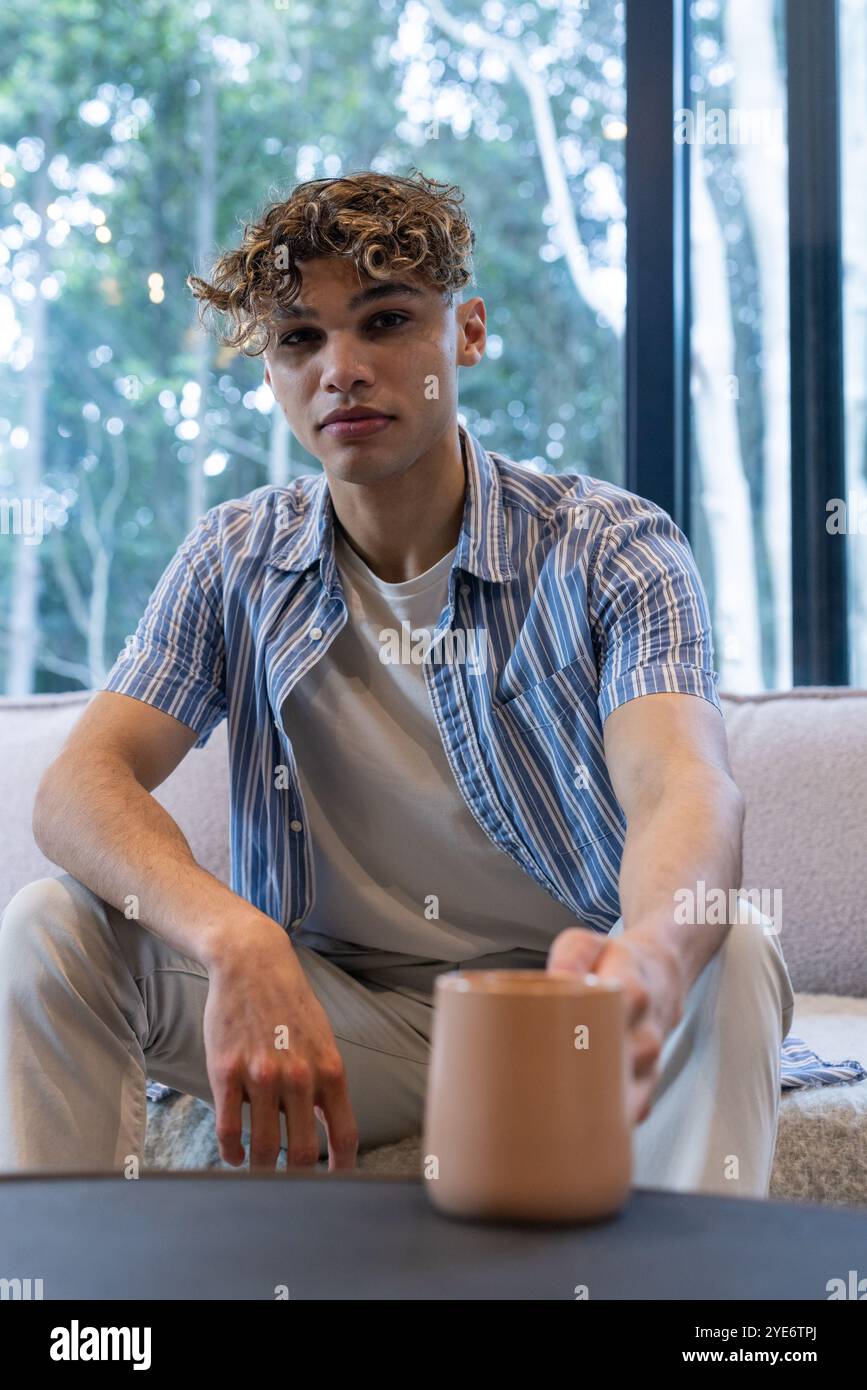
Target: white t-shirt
x,y
399,861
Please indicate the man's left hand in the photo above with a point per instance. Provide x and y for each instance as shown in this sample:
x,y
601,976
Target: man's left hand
x,y
653,990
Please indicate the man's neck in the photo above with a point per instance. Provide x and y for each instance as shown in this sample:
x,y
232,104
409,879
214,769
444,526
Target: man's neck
x,y
402,526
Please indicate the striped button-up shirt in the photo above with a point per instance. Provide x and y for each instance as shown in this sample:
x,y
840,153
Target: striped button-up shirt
x,y
581,595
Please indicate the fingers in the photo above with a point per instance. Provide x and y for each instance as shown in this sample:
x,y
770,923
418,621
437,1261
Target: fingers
x,y
586,952
302,1146
576,948
228,1099
339,1120
646,1048
292,1089
270,1088
637,1002
643,1104
263,1093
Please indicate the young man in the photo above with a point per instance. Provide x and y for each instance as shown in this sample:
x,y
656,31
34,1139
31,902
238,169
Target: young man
x,y
472,717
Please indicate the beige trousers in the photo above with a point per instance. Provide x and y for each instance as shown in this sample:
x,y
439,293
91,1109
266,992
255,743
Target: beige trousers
x,y
92,1004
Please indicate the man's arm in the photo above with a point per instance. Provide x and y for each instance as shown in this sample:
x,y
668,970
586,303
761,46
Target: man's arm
x,y
95,817
667,759
665,750
668,763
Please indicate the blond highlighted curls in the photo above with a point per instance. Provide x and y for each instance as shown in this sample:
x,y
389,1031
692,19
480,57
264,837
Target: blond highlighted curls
x,y
384,223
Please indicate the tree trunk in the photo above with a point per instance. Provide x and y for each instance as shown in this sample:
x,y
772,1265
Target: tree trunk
x,y
206,195
594,288
724,492
853,129
24,619
758,86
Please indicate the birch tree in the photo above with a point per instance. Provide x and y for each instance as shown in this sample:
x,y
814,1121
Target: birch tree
x,y
592,287
723,485
853,129
757,86
23,631
206,139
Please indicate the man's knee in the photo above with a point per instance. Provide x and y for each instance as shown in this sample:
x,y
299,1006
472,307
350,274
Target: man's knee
x,y
753,951
44,916
42,900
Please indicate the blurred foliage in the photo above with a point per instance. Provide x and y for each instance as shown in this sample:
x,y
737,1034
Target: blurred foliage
x,y
150,124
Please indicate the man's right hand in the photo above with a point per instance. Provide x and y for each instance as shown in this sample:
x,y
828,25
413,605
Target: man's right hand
x,y
268,1041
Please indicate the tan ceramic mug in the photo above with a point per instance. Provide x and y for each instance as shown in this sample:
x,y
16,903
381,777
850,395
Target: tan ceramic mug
x,y
525,1113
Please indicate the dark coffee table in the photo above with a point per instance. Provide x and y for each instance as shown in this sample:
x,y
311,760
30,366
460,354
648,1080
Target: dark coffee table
x,y
226,1235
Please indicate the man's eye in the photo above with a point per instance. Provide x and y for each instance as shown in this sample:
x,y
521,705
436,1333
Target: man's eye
x,y
392,314
388,314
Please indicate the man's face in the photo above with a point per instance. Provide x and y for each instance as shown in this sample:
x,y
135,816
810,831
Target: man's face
x,y
394,351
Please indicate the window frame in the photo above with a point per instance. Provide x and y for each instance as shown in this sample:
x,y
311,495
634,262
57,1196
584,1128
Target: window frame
x,y
658,316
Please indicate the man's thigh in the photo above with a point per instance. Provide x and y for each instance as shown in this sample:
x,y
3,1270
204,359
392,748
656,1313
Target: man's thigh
x,y
713,1123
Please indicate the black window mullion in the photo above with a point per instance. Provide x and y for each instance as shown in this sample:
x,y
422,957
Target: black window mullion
x,y
657,257
819,576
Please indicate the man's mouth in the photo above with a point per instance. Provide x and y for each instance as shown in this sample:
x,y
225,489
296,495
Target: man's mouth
x,y
358,428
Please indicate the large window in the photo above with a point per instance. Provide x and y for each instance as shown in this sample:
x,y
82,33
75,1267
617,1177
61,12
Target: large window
x,y
132,141
738,309
853,148
735,131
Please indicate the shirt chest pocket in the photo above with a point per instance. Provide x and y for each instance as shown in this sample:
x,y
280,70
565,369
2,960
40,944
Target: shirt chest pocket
x,y
548,702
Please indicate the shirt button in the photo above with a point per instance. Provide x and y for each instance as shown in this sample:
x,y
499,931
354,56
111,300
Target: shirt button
x,y
296,922
316,633
294,825
464,589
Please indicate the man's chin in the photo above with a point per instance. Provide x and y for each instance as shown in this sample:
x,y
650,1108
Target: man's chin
x,y
353,467
370,458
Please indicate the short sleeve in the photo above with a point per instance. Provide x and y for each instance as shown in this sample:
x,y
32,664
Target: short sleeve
x,y
648,609
175,660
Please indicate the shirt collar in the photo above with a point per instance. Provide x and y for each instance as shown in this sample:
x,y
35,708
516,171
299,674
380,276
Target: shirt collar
x,y
482,549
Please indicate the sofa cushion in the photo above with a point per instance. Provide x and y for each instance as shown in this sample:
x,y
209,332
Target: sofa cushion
x,y
32,731
800,758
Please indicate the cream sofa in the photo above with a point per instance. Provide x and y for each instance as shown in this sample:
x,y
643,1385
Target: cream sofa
x,y
800,758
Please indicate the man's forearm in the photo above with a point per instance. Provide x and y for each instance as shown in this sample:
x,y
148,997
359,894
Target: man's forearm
x,y
102,826
691,833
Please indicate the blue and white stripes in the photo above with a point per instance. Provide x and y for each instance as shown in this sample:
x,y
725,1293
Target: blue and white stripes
x,y
587,596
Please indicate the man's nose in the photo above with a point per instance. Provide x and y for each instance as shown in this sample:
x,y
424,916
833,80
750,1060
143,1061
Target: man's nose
x,y
345,363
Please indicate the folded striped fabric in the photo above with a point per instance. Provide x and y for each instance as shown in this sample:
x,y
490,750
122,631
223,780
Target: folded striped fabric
x,y
157,1091
800,1067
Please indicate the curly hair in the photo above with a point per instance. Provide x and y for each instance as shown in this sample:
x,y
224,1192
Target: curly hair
x,y
382,222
